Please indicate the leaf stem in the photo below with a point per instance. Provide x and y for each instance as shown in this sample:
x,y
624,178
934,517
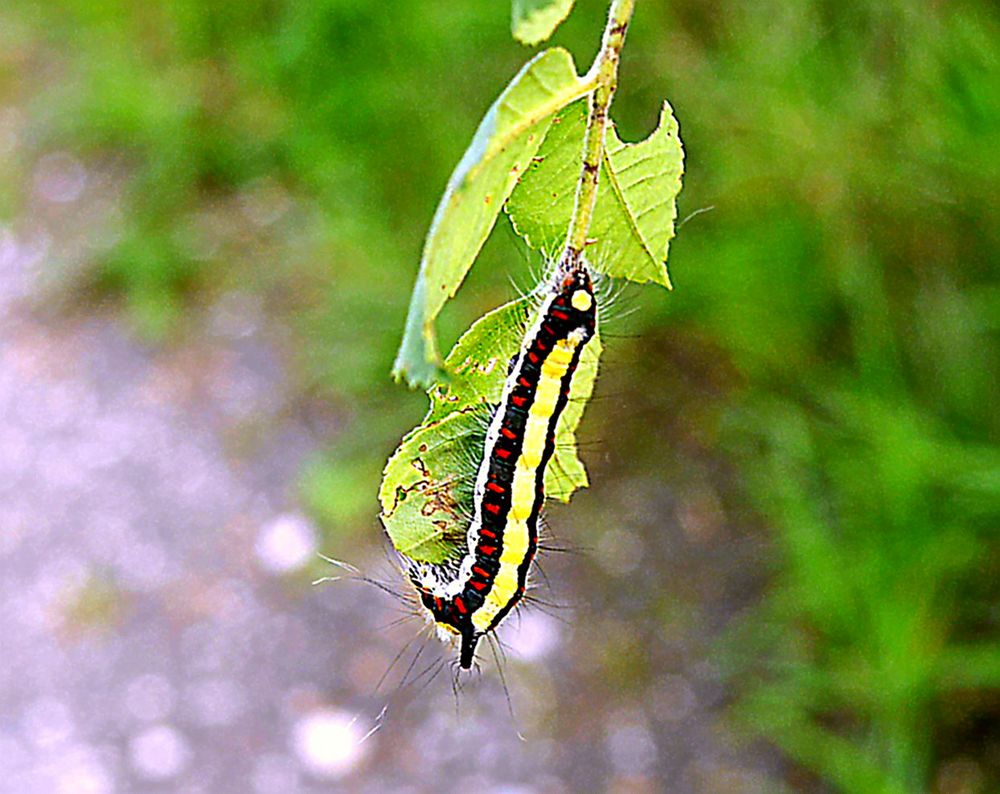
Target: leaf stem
x,y
604,75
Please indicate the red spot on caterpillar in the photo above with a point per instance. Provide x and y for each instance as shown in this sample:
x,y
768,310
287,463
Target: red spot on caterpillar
x,y
494,509
518,401
561,300
523,381
480,586
488,533
460,606
486,551
559,315
541,345
503,453
548,329
495,488
508,433
480,572
532,357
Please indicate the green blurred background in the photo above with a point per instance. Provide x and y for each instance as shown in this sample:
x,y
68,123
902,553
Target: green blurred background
x,y
826,368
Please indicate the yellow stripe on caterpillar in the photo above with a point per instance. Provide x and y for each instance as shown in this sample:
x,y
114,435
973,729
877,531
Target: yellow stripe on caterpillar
x,y
505,585
524,486
536,430
522,497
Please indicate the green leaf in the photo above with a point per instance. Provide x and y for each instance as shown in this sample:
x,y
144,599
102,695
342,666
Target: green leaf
x,y
477,364
427,487
636,199
507,139
533,21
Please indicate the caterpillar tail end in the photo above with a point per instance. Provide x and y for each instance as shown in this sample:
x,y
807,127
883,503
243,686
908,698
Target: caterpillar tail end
x,y
468,652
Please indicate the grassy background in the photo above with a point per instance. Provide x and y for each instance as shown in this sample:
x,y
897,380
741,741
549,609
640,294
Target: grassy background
x,y
831,339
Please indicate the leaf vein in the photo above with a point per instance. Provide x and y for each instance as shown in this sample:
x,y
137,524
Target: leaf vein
x,y
630,219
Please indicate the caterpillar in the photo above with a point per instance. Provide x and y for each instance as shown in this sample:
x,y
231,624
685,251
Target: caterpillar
x,y
468,597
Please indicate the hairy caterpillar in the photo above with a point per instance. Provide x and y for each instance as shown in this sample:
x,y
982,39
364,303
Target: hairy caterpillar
x,y
467,596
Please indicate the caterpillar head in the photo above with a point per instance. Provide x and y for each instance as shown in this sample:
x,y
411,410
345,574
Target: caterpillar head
x,y
573,285
569,282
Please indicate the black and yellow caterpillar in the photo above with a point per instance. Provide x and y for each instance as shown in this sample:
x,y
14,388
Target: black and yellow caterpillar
x,y
470,597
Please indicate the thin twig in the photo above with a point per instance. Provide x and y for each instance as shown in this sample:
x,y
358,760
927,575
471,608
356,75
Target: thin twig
x,y
604,74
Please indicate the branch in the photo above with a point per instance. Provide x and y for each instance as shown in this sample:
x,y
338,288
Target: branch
x,y
604,74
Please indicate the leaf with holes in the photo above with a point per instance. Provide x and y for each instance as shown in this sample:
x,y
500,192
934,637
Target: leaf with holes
x,y
636,206
478,362
427,491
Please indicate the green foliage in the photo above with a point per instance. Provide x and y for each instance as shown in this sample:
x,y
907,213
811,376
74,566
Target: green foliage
x,y
876,560
507,139
533,21
842,275
636,200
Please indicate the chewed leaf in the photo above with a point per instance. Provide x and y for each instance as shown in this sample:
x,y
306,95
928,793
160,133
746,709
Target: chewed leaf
x,y
507,139
636,207
427,486
477,364
533,21
639,203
